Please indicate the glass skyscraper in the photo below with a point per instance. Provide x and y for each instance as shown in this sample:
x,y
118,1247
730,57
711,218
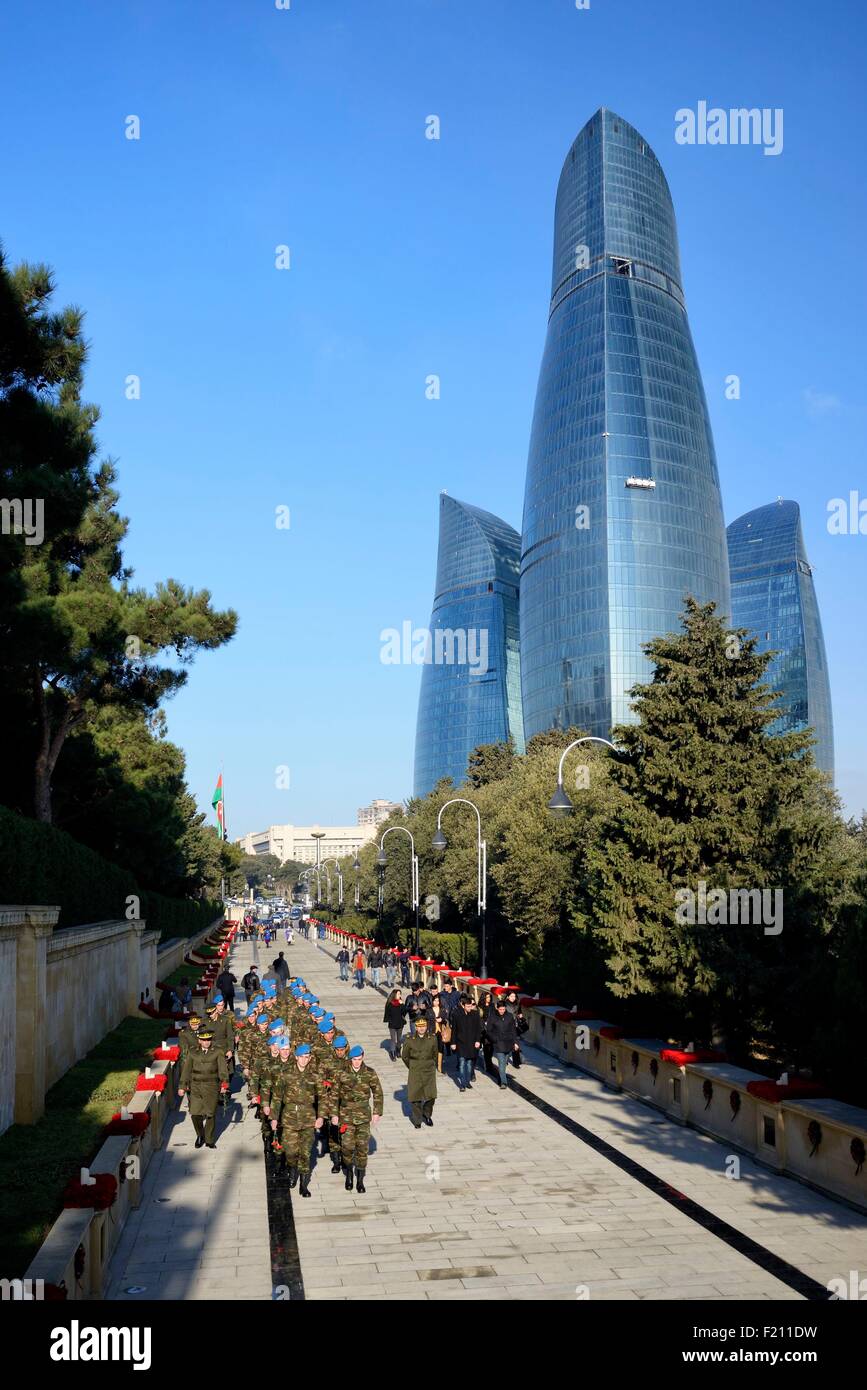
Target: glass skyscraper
x,y
622,510
471,686
774,597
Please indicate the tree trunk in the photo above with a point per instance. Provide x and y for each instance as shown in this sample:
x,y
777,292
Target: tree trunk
x,y
50,746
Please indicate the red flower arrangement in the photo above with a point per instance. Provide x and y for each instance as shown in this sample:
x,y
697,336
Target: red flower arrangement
x,y
683,1059
793,1090
611,1031
150,1083
100,1194
166,1054
135,1125
527,1002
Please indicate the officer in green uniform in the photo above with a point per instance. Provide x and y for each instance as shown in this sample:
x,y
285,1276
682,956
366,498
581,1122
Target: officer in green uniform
x,y
357,1086
204,1075
188,1037
294,1110
224,1033
419,1054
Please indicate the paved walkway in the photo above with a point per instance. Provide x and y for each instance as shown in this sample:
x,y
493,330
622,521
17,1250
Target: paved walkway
x,y
497,1201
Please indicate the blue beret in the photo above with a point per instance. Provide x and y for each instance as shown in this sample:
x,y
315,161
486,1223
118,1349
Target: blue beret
x,y
217,999
303,1050
326,1026
356,1051
276,1025
341,1041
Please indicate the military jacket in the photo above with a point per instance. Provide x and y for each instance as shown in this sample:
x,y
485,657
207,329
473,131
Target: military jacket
x,y
355,1090
294,1097
201,1076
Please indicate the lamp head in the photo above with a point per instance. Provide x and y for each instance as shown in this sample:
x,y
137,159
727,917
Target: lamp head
x,y
560,805
439,841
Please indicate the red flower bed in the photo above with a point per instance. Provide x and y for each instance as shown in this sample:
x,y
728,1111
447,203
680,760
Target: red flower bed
x,y
166,1054
683,1059
527,1002
135,1124
793,1090
150,1083
99,1195
611,1031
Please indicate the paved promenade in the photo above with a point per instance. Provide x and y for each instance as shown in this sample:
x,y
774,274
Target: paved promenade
x,y
498,1201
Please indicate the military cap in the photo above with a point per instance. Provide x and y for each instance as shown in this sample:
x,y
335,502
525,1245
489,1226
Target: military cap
x,y
341,1041
205,1034
356,1051
302,1050
326,1026
276,1025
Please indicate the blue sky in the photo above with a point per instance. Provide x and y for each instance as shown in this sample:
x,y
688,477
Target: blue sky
x,y
306,388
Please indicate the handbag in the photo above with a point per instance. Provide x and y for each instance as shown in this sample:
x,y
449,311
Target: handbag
x,y
446,1031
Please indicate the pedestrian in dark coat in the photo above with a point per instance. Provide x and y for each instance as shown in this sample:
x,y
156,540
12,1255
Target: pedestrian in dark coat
x,y
281,970
503,1037
419,1054
226,982
395,1017
466,1040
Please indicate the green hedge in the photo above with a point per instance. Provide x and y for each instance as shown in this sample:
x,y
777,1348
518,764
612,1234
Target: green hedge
x,y
461,948
45,866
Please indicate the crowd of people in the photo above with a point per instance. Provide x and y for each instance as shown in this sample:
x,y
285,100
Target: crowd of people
x,y
308,1086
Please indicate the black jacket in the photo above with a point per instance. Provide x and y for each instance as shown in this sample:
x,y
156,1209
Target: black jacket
x,y
450,1004
466,1032
226,982
250,981
416,1002
395,1015
501,1032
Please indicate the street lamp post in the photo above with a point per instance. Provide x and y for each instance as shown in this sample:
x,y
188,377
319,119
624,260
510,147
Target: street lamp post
x,y
336,863
560,804
381,862
439,843
357,867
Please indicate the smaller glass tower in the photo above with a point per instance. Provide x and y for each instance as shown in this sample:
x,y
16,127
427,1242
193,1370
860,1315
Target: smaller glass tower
x,y
773,596
471,684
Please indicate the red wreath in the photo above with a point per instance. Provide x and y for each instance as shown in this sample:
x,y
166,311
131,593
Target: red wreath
x,y
135,1125
100,1194
166,1054
150,1083
683,1059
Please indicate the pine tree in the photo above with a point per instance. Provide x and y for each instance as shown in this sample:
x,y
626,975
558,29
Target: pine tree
x,y
708,797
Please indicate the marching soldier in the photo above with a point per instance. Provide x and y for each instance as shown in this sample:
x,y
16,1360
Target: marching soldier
x,y
281,1050
327,1067
419,1054
358,1085
294,1109
204,1074
224,1033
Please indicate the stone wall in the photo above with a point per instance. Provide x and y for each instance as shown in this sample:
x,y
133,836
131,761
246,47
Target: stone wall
x,y
63,991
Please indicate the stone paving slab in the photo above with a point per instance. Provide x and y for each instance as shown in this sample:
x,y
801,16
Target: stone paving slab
x,y
504,1204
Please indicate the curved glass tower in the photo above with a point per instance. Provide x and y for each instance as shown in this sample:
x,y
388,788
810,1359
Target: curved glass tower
x,y
773,596
471,686
622,510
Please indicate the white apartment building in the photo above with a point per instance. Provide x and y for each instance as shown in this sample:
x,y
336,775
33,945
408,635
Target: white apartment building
x,y
298,842
377,812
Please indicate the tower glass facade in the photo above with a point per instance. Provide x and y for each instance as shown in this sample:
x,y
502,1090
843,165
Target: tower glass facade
x,y
477,699
622,510
773,596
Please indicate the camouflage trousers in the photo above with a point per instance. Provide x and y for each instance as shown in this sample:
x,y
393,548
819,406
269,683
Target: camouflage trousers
x,y
354,1140
297,1144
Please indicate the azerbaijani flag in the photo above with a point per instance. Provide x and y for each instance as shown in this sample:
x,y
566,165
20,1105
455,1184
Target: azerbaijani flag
x,y
217,803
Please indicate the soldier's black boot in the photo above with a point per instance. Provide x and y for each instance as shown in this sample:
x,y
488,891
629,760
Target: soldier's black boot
x,y
336,1165
293,1176
359,1180
304,1187
348,1184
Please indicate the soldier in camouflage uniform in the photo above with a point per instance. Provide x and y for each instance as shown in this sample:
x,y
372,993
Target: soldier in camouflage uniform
x,y
327,1067
259,1054
358,1085
272,1077
245,1041
265,1078
294,1110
